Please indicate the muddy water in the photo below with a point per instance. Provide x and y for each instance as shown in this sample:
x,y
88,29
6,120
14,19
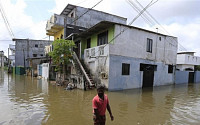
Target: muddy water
x,y
28,101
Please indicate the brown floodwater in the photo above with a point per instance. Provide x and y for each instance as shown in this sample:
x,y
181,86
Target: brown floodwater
x,y
31,101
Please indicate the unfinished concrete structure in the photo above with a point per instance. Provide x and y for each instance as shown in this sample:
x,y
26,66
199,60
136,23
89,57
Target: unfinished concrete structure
x,y
28,48
136,58
76,19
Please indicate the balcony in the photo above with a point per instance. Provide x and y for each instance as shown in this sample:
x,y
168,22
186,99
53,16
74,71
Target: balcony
x,y
188,59
91,54
55,24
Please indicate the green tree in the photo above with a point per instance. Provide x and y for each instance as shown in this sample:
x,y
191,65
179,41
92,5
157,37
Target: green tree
x,y
197,68
62,53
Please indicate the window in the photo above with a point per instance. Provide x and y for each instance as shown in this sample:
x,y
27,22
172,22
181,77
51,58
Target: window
x,y
41,45
125,69
72,14
160,38
88,43
149,45
34,55
170,68
36,45
102,38
41,54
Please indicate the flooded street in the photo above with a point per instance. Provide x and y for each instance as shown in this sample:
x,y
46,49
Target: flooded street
x,y
29,101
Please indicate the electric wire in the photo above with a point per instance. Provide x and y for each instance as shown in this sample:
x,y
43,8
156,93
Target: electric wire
x,y
6,21
81,14
156,22
143,10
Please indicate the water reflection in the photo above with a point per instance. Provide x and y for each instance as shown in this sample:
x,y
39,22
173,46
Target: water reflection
x,y
25,100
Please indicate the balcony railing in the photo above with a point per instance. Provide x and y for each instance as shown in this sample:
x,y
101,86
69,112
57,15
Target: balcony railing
x,y
96,52
55,24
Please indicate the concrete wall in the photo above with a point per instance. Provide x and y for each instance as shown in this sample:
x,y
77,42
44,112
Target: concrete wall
x,y
45,70
182,67
26,48
133,43
197,77
93,17
98,64
181,77
117,81
188,59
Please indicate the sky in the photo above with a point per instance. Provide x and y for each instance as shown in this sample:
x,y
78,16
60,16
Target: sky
x,y
179,18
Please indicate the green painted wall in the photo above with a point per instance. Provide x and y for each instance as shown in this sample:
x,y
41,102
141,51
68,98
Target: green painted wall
x,y
111,34
94,39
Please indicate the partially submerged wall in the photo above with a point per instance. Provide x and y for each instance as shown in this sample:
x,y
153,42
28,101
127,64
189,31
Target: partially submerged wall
x,y
181,77
197,77
117,81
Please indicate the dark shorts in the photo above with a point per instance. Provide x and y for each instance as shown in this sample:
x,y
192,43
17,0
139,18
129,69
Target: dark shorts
x,y
100,121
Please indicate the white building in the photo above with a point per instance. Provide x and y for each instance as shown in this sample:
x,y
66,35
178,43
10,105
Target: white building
x,y
136,58
12,55
186,61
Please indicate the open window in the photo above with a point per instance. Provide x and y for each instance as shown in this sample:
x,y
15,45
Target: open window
x,y
102,38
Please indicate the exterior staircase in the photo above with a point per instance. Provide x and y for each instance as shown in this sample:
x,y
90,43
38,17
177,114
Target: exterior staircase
x,y
83,70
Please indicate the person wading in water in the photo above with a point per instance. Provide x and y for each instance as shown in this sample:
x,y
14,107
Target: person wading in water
x,y
100,103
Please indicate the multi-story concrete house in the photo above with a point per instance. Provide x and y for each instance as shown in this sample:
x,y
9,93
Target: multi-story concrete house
x,y
126,57
26,49
186,61
76,19
185,68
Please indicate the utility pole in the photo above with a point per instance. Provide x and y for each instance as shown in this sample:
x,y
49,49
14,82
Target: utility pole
x,y
8,62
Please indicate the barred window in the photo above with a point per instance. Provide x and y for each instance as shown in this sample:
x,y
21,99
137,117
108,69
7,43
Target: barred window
x,y
149,45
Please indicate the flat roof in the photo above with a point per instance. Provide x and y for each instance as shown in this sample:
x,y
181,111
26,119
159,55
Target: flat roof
x,y
186,52
15,39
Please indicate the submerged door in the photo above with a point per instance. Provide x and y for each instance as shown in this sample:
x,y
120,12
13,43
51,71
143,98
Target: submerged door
x,y
148,78
191,77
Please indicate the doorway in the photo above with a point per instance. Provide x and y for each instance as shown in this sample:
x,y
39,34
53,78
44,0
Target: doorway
x,y
191,77
148,74
148,78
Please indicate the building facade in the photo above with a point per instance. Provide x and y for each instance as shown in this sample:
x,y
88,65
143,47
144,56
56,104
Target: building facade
x,y
186,61
12,55
126,57
76,19
26,49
